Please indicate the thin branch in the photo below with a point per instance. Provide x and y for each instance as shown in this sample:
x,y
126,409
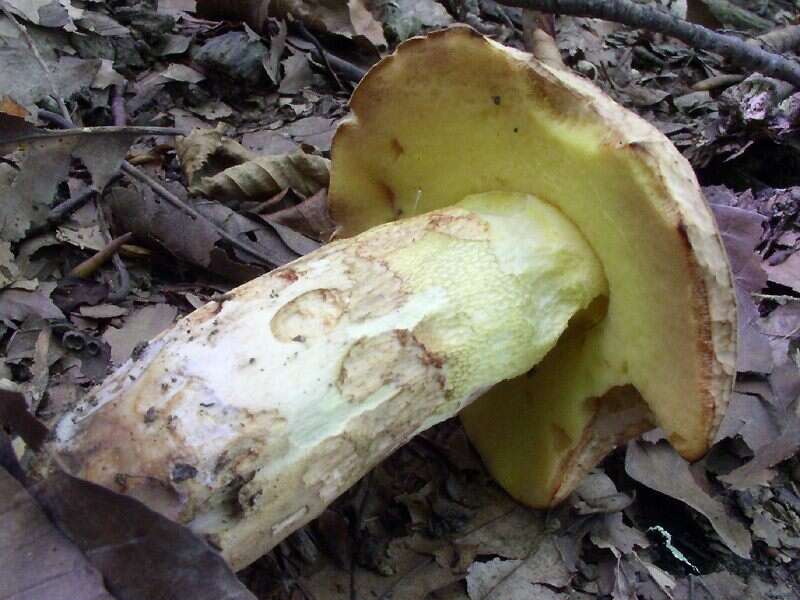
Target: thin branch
x,y
89,267
92,131
61,211
737,51
716,82
120,292
118,105
48,75
539,35
159,189
65,121
313,39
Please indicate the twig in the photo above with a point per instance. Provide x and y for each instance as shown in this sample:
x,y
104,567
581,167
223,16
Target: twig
x,y
363,489
713,83
347,70
506,19
737,51
92,131
56,119
61,211
69,127
120,292
88,267
539,35
118,106
313,39
159,189
29,40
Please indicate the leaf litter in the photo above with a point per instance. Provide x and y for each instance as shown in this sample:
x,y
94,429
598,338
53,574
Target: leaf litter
x,y
258,104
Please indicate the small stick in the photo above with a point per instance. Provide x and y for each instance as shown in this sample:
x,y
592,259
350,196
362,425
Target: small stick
x,y
61,211
91,131
88,267
347,70
29,40
539,35
118,106
712,83
741,53
159,189
140,176
313,39
66,123
124,278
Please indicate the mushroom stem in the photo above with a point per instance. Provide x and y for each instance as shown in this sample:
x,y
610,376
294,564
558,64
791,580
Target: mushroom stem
x,y
252,414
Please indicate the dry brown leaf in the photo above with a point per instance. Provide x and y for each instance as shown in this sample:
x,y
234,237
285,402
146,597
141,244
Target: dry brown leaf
x,y
18,305
750,416
223,169
533,577
9,107
265,176
741,233
660,468
206,152
365,24
9,271
310,217
140,553
139,328
786,272
23,81
759,470
197,241
36,560
296,73
44,164
404,18
330,16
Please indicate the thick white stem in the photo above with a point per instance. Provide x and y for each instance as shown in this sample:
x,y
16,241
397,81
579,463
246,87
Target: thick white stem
x,y
256,411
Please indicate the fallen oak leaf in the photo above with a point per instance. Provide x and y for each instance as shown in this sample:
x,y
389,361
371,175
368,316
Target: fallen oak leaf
x,y
741,232
36,560
660,468
120,536
44,164
206,152
140,553
14,415
223,169
310,217
198,241
758,470
532,577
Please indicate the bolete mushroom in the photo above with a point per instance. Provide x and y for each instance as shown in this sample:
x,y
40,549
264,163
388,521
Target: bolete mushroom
x,y
519,237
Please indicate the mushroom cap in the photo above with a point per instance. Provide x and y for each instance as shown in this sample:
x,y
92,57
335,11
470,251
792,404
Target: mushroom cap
x,y
454,114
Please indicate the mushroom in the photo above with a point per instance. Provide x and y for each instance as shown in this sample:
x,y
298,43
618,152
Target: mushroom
x,y
518,240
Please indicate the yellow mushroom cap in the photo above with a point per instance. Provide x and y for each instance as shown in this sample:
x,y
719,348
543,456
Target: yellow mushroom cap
x,y
455,114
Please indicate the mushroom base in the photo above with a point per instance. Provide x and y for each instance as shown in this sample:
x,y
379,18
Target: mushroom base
x,y
252,414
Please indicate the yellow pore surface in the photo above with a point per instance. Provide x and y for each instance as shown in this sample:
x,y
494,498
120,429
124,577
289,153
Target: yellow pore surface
x,y
482,119
511,280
